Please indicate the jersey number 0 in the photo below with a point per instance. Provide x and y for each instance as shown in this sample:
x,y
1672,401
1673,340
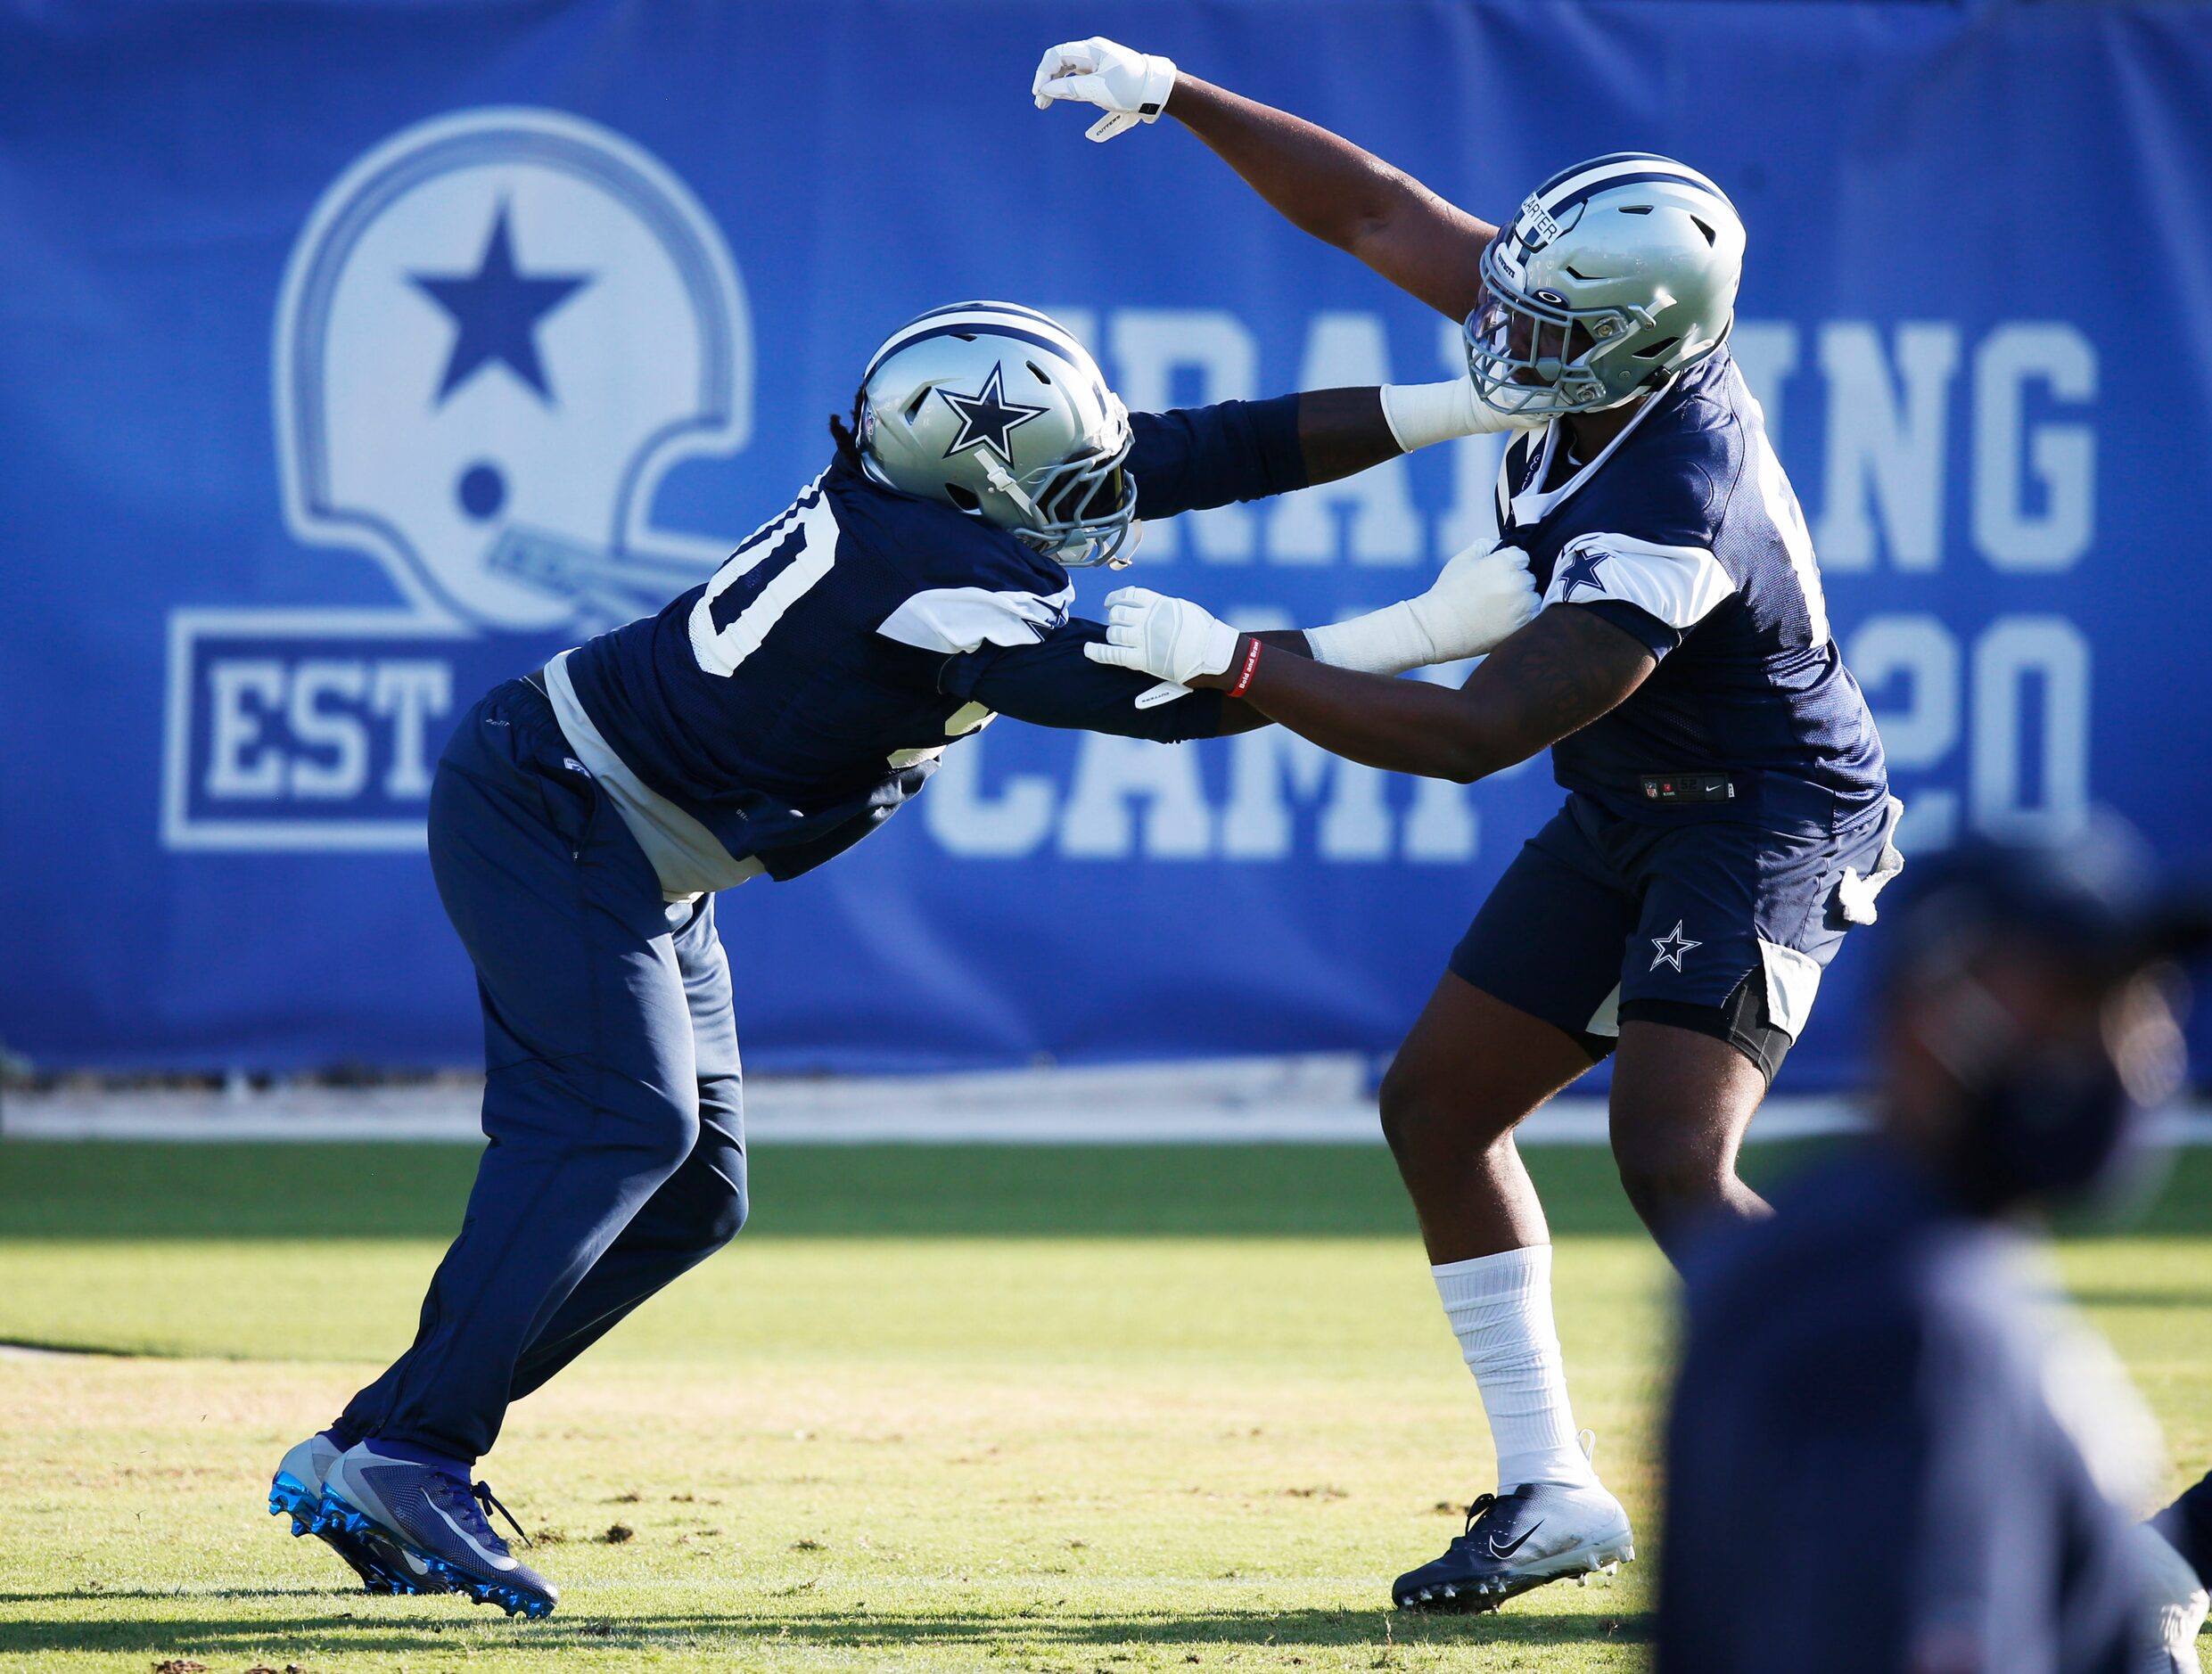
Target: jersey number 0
x,y
775,568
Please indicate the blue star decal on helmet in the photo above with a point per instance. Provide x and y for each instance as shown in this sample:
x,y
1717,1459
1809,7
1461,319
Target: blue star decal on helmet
x,y
987,418
495,312
1582,572
1671,947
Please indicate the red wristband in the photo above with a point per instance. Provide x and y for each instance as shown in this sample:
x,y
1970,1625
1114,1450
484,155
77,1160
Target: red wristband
x,y
1252,664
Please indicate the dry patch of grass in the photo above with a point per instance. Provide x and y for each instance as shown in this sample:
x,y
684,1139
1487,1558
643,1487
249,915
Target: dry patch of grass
x,y
934,1452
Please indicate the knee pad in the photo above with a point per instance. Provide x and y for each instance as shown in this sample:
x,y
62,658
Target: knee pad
x,y
672,1137
717,1165
727,1220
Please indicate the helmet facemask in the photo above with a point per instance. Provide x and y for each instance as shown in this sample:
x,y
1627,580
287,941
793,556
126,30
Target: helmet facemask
x,y
1086,511
1532,354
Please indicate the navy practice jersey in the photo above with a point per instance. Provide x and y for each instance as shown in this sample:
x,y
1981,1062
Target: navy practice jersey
x,y
1684,532
1891,1449
771,718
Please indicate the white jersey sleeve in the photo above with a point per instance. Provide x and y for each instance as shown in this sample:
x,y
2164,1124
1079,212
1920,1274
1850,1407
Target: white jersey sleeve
x,y
958,619
1679,586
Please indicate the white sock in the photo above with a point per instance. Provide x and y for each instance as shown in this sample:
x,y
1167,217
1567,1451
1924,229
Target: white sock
x,y
1500,1307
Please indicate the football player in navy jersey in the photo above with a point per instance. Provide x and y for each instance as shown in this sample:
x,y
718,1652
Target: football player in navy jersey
x,y
582,819
1727,815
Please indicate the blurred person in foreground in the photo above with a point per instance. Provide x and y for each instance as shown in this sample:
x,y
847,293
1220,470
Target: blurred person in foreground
x,y
1893,1447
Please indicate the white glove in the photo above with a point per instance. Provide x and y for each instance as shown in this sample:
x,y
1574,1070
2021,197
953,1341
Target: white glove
x,y
1129,86
1170,639
1477,600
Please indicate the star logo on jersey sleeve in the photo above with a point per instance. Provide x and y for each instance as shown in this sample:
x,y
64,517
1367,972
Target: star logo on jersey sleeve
x,y
1582,572
495,312
1671,947
987,418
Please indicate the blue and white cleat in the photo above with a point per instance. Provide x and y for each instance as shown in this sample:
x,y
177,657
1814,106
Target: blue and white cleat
x,y
1539,1532
436,1519
296,1491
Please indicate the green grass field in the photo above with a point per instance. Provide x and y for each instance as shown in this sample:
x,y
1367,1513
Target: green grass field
x,y
944,1409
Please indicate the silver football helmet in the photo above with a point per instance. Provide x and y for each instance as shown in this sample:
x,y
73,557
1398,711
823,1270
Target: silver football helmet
x,y
993,408
1614,275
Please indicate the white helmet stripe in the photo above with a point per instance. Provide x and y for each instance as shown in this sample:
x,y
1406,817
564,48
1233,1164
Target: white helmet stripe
x,y
1025,324
1560,178
991,307
1585,180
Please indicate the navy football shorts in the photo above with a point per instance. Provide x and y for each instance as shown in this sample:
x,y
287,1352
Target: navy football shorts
x,y
1717,926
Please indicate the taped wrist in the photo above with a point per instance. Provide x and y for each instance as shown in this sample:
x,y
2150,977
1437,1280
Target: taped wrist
x,y
1420,414
1159,83
1388,641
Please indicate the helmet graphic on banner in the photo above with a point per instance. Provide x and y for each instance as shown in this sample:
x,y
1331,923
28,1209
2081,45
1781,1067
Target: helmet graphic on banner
x,y
498,331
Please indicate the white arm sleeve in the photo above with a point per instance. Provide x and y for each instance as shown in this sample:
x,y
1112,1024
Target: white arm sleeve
x,y
1388,641
1422,413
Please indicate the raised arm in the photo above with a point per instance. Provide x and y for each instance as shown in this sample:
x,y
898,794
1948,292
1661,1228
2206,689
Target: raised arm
x,y
1319,180
1325,185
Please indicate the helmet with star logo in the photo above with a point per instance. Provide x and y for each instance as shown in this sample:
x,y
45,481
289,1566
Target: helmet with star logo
x,y
994,408
499,331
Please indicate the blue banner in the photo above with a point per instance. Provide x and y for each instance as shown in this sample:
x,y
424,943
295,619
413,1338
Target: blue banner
x,y
257,567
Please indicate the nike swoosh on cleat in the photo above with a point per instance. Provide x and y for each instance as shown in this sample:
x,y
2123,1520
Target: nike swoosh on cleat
x,y
1516,1543
484,1553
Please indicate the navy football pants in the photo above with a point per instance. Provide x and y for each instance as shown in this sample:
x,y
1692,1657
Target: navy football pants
x,y
2187,1523
612,1098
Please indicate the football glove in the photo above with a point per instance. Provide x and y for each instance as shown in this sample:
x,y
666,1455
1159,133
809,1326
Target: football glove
x,y
1130,87
1478,599
1169,639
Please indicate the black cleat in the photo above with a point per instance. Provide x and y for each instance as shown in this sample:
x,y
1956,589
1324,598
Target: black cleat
x,y
1540,1531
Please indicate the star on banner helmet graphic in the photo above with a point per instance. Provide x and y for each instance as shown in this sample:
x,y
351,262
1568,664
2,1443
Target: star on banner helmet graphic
x,y
498,331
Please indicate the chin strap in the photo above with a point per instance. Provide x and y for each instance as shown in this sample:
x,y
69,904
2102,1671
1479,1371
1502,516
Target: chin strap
x,y
1002,479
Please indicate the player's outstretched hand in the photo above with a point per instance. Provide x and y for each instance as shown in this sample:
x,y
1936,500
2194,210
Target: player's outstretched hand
x,y
1478,599
1170,639
1131,88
